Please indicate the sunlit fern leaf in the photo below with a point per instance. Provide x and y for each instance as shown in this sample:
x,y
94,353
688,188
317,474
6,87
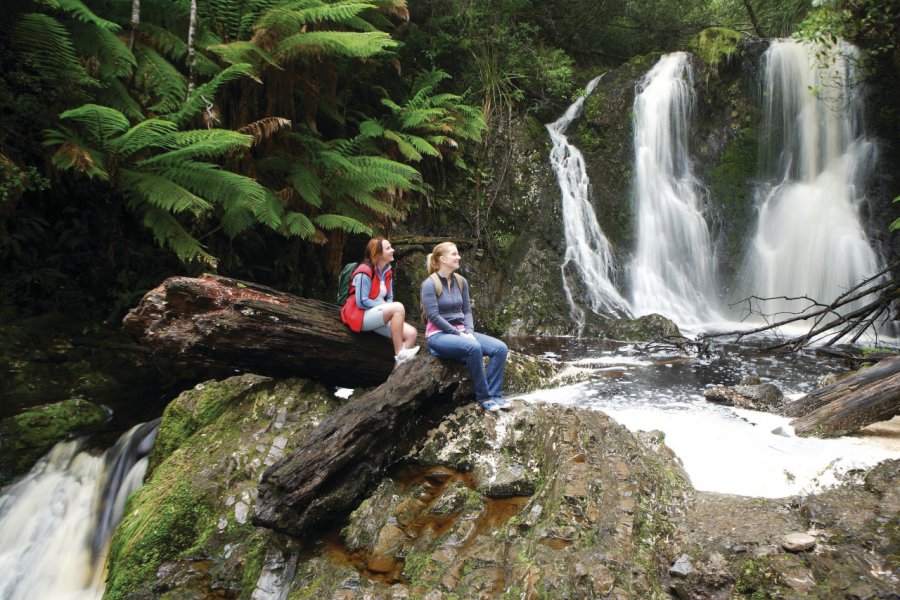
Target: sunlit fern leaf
x,y
387,173
265,128
335,43
78,10
361,24
405,148
341,222
297,224
243,52
371,128
293,16
112,56
199,143
413,119
397,8
334,160
140,137
169,233
162,192
43,43
375,205
162,83
100,123
207,92
116,95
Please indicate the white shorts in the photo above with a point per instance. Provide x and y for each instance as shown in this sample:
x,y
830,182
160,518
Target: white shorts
x,y
373,320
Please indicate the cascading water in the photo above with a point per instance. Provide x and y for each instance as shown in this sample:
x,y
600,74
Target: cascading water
x,y
673,270
587,249
809,239
55,522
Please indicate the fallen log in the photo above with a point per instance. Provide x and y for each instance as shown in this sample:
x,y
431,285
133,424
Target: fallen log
x,y
224,322
870,396
351,449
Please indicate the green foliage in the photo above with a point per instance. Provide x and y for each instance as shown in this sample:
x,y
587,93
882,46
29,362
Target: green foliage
x,y
717,44
895,225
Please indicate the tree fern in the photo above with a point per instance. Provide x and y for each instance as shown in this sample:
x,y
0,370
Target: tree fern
x,y
171,234
78,10
112,56
100,123
204,92
189,145
115,94
243,52
163,85
298,224
143,135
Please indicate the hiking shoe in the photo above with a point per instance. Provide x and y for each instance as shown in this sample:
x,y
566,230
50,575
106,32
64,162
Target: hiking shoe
x,y
503,404
406,354
489,405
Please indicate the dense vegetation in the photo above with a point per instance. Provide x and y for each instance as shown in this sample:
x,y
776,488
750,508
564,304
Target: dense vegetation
x,y
139,138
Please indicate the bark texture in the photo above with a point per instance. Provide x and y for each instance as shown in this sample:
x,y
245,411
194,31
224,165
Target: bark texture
x,y
349,452
867,397
229,323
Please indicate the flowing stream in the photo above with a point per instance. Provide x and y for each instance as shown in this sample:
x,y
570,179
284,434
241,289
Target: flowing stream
x,y
673,271
723,449
810,240
587,249
56,521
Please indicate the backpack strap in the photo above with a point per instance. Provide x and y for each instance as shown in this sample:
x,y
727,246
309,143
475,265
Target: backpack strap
x,y
439,288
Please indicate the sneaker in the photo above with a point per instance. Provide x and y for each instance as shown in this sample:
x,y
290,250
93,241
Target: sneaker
x,y
489,405
503,404
405,355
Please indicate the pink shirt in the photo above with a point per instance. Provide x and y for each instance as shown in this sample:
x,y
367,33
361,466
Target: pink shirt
x,y
431,329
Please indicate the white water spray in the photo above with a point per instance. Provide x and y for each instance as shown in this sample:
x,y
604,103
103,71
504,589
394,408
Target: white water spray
x,y
810,240
587,249
55,522
673,270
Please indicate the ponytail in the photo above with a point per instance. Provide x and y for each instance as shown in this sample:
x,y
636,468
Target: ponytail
x,y
431,261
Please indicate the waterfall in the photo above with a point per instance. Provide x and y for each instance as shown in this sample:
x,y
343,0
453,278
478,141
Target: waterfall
x,y
809,239
587,249
56,521
673,269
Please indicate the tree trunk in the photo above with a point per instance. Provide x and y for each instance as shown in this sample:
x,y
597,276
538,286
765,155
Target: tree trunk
x,y
192,49
135,22
867,397
228,323
349,452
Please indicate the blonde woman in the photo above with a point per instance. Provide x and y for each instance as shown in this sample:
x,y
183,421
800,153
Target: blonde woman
x,y
370,305
449,327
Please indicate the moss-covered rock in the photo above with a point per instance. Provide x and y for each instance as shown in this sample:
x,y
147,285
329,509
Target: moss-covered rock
x,y
29,435
187,532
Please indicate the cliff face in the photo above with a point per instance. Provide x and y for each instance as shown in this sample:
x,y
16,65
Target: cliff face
x,y
543,501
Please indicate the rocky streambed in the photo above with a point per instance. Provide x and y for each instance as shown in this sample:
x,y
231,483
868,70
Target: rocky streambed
x,y
546,501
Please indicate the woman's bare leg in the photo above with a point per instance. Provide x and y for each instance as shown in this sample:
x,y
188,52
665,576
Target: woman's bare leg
x,y
394,316
409,335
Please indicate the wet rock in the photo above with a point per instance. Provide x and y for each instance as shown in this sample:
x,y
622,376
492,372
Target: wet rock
x,y
798,542
763,397
30,434
682,567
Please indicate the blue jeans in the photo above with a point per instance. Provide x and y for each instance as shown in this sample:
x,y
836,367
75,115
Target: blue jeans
x,y
447,345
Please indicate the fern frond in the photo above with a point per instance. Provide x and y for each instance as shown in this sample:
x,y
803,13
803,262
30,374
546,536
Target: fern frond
x,y
236,220
350,225
371,128
82,13
169,233
164,41
112,56
143,135
293,16
416,118
115,95
297,224
307,184
44,43
243,52
74,154
265,128
162,83
335,43
207,91
100,122
197,143
405,148
422,145
162,193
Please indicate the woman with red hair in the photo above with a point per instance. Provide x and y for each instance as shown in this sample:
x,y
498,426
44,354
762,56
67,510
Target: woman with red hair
x,y
370,305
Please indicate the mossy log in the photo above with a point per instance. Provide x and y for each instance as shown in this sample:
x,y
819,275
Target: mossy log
x,y
229,323
867,397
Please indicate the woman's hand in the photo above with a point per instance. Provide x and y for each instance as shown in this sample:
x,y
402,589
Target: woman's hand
x,y
468,336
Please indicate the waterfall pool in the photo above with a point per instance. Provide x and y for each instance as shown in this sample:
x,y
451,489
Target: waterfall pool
x,y
723,449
